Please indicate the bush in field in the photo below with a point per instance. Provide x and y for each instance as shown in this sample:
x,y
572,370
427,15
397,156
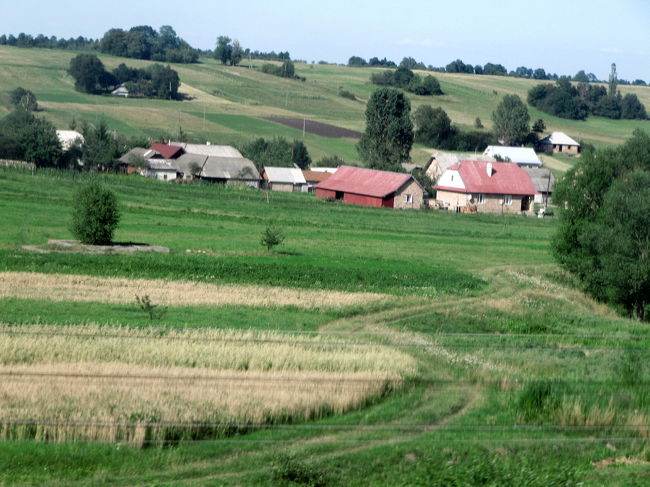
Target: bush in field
x,y
271,237
95,214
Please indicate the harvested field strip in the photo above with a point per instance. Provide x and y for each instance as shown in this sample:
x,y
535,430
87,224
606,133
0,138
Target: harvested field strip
x,y
84,402
70,287
197,348
316,128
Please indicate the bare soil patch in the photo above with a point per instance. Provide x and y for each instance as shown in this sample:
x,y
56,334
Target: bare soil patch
x,y
316,128
76,247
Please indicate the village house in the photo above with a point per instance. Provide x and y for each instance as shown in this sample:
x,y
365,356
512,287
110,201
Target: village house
x,y
522,156
559,142
477,186
368,187
543,181
440,161
120,91
230,170
286,179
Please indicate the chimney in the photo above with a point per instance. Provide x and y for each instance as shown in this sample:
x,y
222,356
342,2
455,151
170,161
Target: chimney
x,y
489,169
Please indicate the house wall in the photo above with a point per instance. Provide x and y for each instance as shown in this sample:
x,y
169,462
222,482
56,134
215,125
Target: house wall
x,y
284,187
451,179
251,183
451,200
361,200
491,204
564,149
160,175
415,191
325,194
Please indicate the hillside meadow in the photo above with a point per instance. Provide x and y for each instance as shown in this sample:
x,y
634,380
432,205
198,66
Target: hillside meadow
x,y
373,347
227,105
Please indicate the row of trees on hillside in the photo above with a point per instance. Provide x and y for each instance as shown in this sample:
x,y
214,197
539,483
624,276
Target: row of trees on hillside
x,y
155,81
144,42
407,80
492,69
44,42
565,100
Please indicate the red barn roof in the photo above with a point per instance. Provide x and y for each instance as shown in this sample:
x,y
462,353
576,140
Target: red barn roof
x,y
506,178
368,182
167,151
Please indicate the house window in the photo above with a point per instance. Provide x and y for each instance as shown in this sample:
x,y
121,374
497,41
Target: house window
x,y
507,199
480,198
408,198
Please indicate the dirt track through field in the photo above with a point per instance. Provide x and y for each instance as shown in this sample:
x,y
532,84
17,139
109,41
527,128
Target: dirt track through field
x,y
81,288
316,128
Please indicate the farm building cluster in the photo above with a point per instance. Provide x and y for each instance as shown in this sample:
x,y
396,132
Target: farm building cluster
x,y
501,179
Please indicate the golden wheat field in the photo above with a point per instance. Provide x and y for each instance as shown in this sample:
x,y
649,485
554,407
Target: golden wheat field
x,y
69,287
139,386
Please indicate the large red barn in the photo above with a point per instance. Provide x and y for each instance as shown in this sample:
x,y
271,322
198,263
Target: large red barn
x,y
369,187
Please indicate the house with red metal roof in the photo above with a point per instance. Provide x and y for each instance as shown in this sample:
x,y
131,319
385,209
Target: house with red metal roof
x,y
485,187
166,151
369,187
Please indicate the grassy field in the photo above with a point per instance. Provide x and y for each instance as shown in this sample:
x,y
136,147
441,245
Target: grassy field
x,y
375,347
227,104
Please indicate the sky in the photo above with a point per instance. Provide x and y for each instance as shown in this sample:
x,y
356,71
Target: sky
x,y
562,37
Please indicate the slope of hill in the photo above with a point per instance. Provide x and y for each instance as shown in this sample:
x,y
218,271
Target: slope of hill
x,y
375,347
227,104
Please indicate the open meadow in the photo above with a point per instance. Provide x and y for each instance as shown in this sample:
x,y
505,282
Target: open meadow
x,y
230,105
373,347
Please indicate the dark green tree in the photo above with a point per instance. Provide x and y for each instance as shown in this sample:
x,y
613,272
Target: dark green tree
x,y
432,126
602,238
29,138
632,108
388,137
223,51
511,120
23,99
300,155
539,126
95,214
237,53
89,74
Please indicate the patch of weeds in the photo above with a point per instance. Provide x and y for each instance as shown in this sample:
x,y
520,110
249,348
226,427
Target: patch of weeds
x,y
288,470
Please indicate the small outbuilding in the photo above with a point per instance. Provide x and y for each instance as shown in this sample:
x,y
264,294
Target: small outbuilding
x,y
230,170
522,156
285,179
121,91
369,187
559,142
67,138
544,182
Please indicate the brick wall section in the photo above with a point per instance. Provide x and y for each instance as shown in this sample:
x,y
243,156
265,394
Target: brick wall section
x,y
413,189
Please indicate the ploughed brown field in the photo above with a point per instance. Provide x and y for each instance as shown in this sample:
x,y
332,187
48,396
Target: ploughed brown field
x,y
316,128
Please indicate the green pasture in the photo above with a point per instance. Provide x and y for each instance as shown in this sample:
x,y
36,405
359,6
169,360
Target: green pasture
x,y
522,379
225,93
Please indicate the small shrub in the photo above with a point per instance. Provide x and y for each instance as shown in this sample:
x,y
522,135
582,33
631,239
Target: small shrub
x,y
287,468
539,399
95,214
153,311
271,237
347,94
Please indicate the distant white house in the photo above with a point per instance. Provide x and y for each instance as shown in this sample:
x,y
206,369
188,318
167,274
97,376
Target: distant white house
x,y
68,137
522,156
560,142
161,169
121,91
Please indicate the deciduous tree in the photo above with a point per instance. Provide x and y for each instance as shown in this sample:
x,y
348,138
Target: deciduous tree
x,y
388,137
511,120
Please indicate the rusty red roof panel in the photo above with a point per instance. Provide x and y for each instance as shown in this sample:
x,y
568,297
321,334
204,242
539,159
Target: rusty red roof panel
x,y
368,182
168,151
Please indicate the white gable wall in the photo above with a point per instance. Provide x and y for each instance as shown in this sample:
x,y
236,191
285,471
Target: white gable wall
x,y
451,179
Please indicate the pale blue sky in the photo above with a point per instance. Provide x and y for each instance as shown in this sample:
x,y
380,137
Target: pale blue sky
x,y
559,36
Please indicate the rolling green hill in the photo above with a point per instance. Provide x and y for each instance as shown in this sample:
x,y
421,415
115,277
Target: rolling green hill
x,y
227,103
